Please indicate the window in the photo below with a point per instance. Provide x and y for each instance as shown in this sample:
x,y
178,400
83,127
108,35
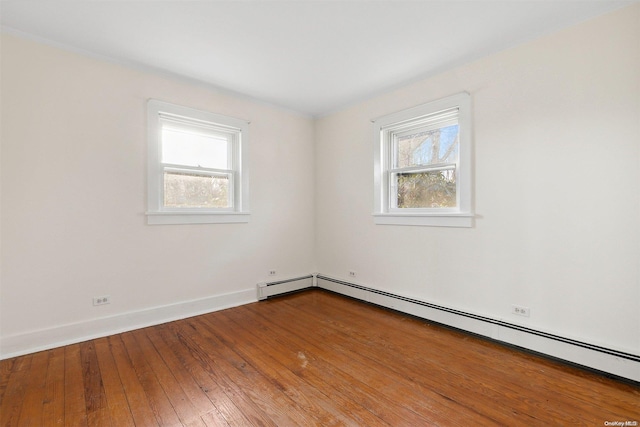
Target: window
x,y
197,166
423,165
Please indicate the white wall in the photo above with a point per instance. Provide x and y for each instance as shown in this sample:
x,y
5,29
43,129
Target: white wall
x,y
73,201
557,185
557,196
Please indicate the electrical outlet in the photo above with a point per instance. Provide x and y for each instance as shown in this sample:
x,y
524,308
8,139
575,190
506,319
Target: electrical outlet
x,y
352,274
520,310
105,299
272,272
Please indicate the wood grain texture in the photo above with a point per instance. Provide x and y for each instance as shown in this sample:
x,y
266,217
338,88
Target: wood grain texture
x,y
308,359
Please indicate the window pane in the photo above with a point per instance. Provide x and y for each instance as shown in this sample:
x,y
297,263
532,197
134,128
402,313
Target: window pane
x,y
187,190
433,189
427,147
192,148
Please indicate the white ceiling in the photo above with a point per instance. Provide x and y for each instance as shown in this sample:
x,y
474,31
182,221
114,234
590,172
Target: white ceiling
x,y
310,56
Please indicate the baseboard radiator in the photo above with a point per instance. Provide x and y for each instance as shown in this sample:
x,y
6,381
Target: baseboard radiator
x,y
280,287
609,361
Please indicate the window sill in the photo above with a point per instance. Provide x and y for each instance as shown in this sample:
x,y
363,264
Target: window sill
x,y
165,218
428,220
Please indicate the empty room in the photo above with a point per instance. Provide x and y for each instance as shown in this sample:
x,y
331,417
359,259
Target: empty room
x,y
319,213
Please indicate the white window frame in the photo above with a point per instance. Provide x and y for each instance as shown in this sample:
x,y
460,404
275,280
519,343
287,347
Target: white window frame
x,y
236,131
388,128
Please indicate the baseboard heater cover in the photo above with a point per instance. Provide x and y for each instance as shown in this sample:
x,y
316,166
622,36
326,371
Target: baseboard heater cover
x,y
618,363
280,287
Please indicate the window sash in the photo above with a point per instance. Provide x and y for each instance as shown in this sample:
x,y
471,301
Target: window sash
x,y
393,187
390,138
196,129
228,174
200,128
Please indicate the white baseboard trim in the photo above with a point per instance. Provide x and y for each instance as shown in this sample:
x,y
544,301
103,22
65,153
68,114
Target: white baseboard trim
x,y
57,336
618,363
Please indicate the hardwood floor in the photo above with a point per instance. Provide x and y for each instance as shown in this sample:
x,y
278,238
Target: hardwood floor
x,y
307,359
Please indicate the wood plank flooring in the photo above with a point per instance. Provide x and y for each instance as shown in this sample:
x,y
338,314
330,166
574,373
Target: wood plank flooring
x,y
307,359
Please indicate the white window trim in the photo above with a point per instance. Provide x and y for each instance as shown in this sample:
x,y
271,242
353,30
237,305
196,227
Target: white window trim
x,y
462,215
156,213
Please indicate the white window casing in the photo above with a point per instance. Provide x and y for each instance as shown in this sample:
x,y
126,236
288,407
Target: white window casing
x,y
389,129
232,137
